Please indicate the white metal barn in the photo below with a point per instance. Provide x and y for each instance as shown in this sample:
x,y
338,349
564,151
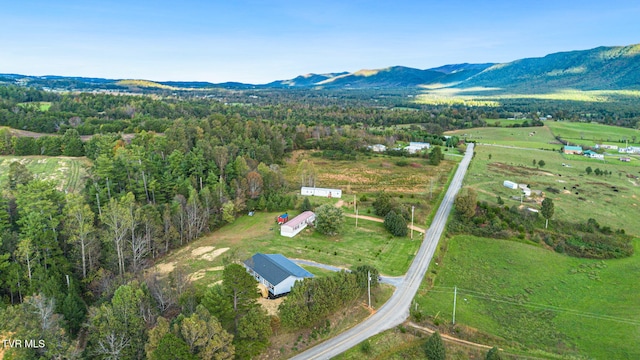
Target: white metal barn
x,y
276,272
510,184
292,227
314,191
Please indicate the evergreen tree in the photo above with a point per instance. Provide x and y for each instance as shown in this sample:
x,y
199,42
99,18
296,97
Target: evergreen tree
x,y
383,204
435,155
171,347
395,224
434,347
329,219
306,205
493,354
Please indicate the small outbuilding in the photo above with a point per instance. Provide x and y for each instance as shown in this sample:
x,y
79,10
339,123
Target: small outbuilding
x,y
510,184
277,273
314,191
292,227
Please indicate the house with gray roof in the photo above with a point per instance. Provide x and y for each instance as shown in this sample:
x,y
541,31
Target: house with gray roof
x,y
275,272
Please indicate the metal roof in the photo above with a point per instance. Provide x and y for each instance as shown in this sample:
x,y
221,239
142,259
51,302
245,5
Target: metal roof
x,y
275,268
299,219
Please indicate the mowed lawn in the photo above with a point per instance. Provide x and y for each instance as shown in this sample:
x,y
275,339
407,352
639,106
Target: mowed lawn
x,y
535,301
538,137
588,134
369,244
593,197
67,172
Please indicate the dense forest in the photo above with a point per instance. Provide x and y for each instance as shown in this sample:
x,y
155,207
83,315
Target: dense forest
x,y
71,265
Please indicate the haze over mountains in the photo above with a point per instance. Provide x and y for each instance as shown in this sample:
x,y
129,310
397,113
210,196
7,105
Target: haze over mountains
x,y
602,68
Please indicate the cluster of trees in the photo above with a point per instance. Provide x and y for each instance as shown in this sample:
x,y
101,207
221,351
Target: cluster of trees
x,y
597,171
70,144
395,214
312,300
502,222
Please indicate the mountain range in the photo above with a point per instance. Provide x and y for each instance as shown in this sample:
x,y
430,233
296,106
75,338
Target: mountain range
x,y
602,68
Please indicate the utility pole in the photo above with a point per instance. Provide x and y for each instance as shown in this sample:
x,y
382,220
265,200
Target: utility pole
x,y
369,287
455,295
356,217
412,208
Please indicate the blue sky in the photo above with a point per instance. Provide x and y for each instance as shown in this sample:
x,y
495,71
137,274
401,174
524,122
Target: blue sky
x,y
262,41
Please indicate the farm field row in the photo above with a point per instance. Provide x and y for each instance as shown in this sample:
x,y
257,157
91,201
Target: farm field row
x,y
416,181
531,299
539,137
613,200
588,134
67,172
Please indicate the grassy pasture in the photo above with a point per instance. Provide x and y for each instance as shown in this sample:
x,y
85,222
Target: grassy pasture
x,y
69,173
595,196
588,134
42,105
518,137
505,122
370,174
535,301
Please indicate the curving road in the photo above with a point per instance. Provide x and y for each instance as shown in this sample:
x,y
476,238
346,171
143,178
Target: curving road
x,y
396,310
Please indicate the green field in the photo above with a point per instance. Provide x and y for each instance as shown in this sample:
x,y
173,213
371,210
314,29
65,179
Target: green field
x,y
42,105
69,173
595,196
539,137
588,134
505,122
531,300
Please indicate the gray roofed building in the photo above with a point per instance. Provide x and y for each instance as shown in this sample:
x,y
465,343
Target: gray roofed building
x,y
276,272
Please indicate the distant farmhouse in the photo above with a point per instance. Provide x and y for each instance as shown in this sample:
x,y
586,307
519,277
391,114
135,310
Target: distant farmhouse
x,y
630,150
292,227
314,191
575,150
275,272
377,148
416,147
606,147
593,155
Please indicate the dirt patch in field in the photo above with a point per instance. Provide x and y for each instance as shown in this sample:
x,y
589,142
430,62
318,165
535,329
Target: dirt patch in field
x,y
271,305
201,250
213,254
200,273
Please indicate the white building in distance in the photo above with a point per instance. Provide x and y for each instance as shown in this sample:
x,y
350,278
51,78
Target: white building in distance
x,y
415,147
314,191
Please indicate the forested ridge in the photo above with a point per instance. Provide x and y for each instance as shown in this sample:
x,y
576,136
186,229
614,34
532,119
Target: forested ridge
x,y
72,265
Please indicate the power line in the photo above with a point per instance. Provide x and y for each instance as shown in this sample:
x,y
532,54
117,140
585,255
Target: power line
x,y
491,297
